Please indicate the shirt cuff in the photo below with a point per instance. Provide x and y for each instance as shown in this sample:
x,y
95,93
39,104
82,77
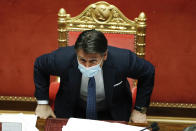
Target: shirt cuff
x,y
42,102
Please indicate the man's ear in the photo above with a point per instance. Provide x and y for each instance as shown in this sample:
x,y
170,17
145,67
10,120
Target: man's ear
x,y
105,55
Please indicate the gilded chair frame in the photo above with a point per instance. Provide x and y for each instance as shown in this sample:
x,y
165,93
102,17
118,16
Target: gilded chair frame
x,y
106,18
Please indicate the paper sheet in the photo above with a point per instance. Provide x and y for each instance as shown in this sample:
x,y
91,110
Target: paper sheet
x,y
28,121
75,124
11,126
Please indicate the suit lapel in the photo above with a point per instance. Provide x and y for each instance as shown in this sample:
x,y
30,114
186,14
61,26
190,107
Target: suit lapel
x,y
109,78
75,80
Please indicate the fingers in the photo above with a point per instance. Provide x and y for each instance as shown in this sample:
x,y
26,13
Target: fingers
x,y
44,111
45,117
42,116
139,121
138,117
53,115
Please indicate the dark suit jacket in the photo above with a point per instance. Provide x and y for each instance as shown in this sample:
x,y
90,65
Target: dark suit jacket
x,y
119,65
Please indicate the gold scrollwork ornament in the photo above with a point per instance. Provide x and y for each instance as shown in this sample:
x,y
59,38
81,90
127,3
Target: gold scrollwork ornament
x,y
101,13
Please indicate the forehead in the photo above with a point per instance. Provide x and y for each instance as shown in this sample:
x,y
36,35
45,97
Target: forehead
x,y
82,54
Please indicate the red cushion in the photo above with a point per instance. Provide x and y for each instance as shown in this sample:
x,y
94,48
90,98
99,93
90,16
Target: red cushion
x,y
54,86
134,93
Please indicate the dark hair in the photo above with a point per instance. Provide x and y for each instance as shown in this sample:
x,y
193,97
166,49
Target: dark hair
x,y
91,41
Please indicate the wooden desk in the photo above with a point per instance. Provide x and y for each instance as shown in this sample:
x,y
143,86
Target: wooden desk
x,y
56,124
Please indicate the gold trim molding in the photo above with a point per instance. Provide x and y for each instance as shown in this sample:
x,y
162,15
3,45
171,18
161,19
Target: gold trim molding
x,y
175,120
16,112
17,98
173,105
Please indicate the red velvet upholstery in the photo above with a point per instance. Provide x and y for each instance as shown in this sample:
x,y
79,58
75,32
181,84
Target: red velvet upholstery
x,y
54,86
134,92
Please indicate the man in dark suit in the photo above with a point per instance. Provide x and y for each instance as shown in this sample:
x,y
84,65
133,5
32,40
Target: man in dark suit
x,y
93,81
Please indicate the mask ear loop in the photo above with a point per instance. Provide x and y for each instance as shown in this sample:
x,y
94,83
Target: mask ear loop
x,y
100,63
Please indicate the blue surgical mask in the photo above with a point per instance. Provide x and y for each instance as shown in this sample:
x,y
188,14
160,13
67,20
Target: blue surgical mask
x,y
90,71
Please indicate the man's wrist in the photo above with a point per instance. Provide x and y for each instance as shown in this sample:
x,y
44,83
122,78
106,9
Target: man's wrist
x,y
141,109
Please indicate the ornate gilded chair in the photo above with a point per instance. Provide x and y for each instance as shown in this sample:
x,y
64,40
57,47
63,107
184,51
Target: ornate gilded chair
x,y
124,33
119,30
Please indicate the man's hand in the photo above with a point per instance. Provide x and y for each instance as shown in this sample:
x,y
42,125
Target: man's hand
x,y
138,117
44,111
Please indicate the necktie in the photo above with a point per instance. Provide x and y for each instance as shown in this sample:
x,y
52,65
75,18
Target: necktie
x,y
91,100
